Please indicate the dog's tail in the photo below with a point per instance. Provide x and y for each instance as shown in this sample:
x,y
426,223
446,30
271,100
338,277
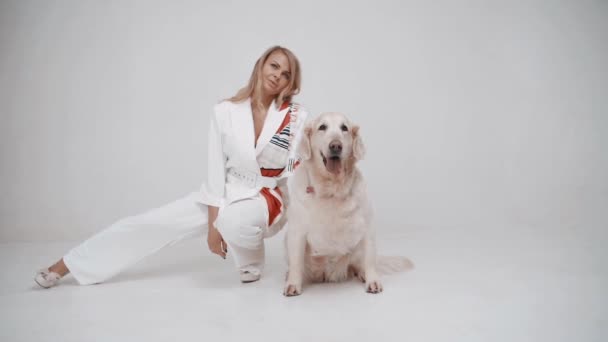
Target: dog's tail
x,y
393,264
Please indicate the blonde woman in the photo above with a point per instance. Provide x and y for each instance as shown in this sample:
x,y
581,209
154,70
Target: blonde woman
x,y
251,142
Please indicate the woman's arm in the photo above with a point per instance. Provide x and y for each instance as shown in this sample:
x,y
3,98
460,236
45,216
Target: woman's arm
x,y
216,181
213,190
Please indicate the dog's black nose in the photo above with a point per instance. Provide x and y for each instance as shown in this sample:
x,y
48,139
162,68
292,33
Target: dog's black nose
x,y
335,148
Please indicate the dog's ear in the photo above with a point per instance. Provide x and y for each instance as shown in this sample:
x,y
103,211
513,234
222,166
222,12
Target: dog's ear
x,y
304,150
358,147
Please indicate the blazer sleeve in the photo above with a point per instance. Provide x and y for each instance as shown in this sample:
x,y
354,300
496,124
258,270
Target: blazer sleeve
x,y
214,189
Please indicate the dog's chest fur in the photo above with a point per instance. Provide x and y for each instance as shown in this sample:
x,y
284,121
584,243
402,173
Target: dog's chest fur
x,y
335,225
334,218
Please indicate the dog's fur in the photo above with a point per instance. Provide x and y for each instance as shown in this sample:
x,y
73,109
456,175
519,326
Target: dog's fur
x,y
330,236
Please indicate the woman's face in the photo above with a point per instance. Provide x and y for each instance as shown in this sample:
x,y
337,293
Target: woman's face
x,y
275,73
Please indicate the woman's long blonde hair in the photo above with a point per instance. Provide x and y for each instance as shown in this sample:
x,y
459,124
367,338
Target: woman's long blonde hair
x,y
253,89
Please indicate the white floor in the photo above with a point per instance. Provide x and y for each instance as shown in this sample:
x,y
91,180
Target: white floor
x,y
469,284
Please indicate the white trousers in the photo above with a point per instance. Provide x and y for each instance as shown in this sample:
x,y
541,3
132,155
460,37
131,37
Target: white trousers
x,y
243,225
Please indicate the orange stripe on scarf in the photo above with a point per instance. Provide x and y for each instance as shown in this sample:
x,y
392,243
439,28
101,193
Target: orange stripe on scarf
x,y
274,205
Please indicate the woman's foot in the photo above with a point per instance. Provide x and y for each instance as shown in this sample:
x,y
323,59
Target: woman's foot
x,y
249,277
47,279
50,277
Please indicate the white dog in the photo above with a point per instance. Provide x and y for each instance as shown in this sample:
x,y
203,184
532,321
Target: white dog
x,y
330,236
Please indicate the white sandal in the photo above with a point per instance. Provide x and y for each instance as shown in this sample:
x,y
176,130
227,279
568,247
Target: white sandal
x,y
249,277
47,279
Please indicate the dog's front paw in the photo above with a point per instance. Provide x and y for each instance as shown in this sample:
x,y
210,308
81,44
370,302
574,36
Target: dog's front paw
x,y
292,290
373,286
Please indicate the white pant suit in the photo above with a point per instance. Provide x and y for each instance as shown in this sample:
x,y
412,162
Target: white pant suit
x,y
235,184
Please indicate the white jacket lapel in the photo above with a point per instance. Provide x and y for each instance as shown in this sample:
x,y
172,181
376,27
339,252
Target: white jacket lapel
x,y
243,128
274,118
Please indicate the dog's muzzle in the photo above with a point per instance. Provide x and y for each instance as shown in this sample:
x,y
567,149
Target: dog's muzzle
x,y
333,161
335,149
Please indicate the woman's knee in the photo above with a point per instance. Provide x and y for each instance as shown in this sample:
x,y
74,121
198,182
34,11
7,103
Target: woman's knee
x,y
236,229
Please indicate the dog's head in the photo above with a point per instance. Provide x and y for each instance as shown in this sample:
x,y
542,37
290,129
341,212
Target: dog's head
x,y
332,143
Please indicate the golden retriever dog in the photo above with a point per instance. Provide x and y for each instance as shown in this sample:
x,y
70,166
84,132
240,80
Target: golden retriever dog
x,y
330,236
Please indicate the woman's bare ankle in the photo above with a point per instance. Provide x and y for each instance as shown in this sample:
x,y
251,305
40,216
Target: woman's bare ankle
x,y
60,268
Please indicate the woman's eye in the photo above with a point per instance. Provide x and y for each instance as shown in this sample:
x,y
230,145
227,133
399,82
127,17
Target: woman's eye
x,y
344,128
274,66
286,76
322,127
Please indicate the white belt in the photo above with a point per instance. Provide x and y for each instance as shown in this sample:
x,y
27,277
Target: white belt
x,y
252,179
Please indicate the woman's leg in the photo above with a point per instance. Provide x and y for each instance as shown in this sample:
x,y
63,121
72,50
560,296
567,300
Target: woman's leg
x,y
130,240
242,225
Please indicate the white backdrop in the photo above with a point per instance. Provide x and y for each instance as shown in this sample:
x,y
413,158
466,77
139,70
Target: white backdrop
x,y
473,112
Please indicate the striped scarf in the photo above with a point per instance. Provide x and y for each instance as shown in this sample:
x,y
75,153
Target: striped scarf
x,y
278,157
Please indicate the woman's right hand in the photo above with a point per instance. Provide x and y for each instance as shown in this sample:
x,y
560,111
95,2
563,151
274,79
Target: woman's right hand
x,y
216,243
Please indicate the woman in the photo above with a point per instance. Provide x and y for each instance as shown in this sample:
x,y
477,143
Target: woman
x,y
252,144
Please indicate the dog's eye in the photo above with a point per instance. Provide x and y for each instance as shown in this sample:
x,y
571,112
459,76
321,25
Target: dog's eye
x,y
322,127
344,128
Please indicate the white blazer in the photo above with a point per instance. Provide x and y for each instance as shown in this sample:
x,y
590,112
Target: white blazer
x,y
231,144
